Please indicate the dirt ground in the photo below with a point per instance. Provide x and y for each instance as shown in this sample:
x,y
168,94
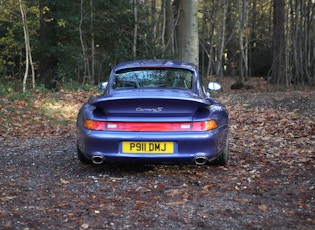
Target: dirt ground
x,y
268,183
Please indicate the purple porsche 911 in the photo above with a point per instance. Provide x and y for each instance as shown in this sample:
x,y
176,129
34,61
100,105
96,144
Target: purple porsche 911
x,y
153,112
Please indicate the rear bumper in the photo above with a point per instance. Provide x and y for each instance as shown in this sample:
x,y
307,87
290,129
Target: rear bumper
x,y
187,145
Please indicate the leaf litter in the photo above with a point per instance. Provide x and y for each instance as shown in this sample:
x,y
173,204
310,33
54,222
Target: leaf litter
x,y
268,183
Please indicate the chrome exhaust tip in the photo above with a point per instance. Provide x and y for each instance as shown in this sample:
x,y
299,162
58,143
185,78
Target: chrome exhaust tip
x,y
201,160
98,159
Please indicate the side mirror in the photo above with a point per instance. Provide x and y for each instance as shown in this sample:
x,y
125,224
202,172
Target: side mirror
x,y
214,86
102,85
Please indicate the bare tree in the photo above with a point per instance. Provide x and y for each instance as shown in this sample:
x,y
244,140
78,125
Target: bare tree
x,y
135,32
84,55
153,18
168,28
28,52
92,43
187,33
243,35
221,38
213,39
301,24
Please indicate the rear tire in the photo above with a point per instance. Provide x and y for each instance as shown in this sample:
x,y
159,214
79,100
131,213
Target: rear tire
x,y
82,158
224,157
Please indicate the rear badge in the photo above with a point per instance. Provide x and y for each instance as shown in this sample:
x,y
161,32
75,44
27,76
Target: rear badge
x,y
153,110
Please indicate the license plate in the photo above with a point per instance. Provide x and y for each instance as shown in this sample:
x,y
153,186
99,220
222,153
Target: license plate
x,y
148,147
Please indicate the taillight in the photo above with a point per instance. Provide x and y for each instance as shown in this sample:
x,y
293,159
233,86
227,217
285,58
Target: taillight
x,y
94,125
204,125
151,126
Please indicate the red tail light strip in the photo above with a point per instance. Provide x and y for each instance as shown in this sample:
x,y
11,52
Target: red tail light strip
x,y
151,126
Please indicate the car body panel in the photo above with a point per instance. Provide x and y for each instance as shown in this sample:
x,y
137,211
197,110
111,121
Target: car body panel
x,y
152,105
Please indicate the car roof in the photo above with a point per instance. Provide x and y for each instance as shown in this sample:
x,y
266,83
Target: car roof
x,y
155,63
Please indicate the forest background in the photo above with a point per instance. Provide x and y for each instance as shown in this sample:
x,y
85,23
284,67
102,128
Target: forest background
x,y
75,43
68,46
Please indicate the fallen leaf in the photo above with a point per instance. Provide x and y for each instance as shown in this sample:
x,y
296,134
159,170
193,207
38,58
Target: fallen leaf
x,y
64,181
7,198
263,208
209,186
85,226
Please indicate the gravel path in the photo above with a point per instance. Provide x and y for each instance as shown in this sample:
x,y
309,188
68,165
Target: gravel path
x,y
268,183
43,186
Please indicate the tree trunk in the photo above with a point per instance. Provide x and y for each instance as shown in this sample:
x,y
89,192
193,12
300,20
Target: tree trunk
x,y
154,19
242,31
187,33
92,79
84,55
135,32
169,27
28,53
221,40
48,43
279,67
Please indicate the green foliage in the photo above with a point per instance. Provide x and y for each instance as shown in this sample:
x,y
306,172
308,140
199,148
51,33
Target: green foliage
x,y
6,89
57,48
18,96
12,89
10,43
56,45
76,86
12,54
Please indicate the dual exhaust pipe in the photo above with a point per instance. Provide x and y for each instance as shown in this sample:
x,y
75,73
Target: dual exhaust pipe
x,y
98,159
199,160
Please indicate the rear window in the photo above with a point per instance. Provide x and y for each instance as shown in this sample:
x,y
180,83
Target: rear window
x,y
153,78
